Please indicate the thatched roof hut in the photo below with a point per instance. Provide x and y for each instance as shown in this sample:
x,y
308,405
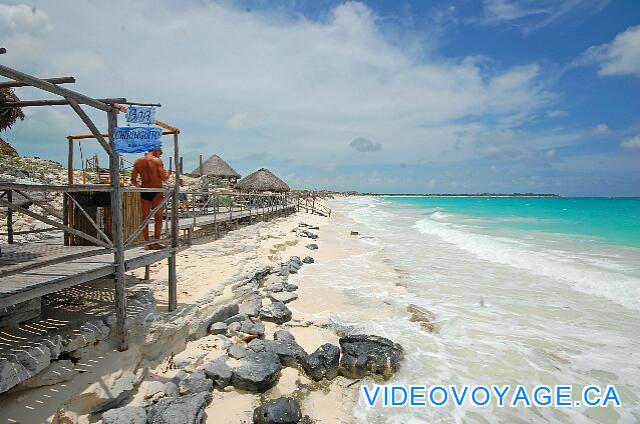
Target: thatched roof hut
x,y
9,115
262,180
7,149
216,167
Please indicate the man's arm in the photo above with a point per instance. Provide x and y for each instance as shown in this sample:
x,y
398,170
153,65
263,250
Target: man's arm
x,y
164,175
134,175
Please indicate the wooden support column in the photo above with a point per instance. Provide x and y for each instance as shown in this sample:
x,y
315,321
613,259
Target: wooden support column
x,y
200,166
147,272
173,276
117,236
10,218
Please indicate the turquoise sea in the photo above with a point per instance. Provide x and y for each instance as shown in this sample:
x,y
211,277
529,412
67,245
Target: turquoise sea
x,y
611,220
524,291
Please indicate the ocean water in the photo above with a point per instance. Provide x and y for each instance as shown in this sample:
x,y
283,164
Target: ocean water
x,y
525,291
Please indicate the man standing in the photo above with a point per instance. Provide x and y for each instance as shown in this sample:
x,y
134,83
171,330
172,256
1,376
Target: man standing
x,y
152,173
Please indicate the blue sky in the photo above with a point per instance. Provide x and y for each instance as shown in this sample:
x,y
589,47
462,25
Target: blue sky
x,y
383,96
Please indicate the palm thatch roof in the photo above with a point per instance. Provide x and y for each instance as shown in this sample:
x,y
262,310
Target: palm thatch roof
x,y
9,116
216,167
262,180
6,148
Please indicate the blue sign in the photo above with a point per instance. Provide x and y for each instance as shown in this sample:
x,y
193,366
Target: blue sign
x,y
140,115
137,139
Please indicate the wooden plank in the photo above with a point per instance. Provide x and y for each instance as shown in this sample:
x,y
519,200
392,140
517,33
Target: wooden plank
x,y
92,127
59,80
52,88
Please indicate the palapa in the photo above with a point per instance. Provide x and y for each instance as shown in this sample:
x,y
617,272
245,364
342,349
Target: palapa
x,y
216,167
262,180
9,115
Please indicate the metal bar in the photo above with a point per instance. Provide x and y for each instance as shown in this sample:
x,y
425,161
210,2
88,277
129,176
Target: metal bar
x,y
140,228
52,88
173,277
53,223
92,127
117,234
60,80
10,218
91,221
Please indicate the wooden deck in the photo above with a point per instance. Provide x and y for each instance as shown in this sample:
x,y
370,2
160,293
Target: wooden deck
x,y
28,271
226,216
32,270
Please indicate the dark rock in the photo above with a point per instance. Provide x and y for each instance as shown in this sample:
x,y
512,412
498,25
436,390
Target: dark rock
x,y
283,335
323,363
258,371
219,372
251,306
254,327
290,287
365,354
195,383
276,312
308,260
236,351
312,246
284,410
179,410
311,227
283,297
295,260
235,318
289,351
126,415
355,233
257,345
312,236
218,328
234,326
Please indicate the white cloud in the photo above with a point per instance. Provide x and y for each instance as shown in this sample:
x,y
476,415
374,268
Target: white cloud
x,y
601,129
619,57
531,15
556,113
301,86
21,18
632,143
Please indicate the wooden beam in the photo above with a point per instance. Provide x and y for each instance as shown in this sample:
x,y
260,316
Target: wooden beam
x,y
173,277
29,103
118,236
52,88
61,80
77,188
92,127
140,228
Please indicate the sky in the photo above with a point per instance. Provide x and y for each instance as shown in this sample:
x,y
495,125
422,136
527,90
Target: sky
x,y
465,96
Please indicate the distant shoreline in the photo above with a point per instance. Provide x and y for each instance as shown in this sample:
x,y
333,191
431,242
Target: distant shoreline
x,y
462,195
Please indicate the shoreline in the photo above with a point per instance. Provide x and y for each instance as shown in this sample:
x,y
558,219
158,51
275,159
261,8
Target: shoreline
x,y
209,274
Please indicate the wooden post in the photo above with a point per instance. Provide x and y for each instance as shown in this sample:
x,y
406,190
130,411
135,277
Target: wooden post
x,y
173,276
117,236
147,272
65,218
170,163
200,167
66,205
10,218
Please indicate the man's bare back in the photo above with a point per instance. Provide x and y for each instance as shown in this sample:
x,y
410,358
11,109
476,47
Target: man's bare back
x,y
151,171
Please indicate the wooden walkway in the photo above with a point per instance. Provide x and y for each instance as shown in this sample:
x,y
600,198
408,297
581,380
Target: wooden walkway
x,y
28,271
32,270
223,216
